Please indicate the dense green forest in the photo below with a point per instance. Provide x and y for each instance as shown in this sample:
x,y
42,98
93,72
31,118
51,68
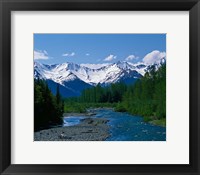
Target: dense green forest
x,y
109,94
48,109
146,97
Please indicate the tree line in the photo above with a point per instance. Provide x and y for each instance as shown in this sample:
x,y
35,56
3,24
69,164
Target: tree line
x,y
108,94
48,109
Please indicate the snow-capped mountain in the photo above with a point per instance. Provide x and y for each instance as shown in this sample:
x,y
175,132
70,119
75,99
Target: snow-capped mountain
x,y
74,77
110,73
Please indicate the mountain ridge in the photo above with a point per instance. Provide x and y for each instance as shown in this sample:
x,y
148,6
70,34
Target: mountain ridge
x,y
80,76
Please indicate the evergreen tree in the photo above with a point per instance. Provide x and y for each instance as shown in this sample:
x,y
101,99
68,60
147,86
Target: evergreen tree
x,y
58,96
48,109
147,97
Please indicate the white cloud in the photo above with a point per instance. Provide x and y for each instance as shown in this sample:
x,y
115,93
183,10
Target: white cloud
x,y
65,54
87,54
110,58
131,57
41,55
68,54
154,57
72,54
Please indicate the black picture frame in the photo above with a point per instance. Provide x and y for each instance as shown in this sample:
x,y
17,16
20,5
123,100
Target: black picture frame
x,y
6,6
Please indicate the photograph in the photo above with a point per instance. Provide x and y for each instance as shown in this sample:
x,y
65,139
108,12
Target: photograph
x,y
99,86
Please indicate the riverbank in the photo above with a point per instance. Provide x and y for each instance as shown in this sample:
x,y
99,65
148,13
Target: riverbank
x,y
148,119
89,129
160,122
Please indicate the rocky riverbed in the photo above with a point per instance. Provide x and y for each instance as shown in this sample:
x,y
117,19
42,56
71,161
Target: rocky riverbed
x,y
89,129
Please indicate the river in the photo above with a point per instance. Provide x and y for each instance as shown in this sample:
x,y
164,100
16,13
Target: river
x,y
124,127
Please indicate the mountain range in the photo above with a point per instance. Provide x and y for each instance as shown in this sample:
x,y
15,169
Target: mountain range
x,y
73,78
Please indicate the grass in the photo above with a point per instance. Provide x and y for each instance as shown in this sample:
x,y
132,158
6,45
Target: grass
x,y
155,121
82,107
160,122
120,108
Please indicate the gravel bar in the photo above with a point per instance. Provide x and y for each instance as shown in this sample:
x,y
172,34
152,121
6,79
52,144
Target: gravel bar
x,y
89,129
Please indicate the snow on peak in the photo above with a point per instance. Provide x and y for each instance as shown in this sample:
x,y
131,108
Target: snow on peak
x,y
89,73
94,66
124,65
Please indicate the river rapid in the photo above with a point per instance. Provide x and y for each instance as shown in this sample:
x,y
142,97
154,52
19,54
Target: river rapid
x,y
123,126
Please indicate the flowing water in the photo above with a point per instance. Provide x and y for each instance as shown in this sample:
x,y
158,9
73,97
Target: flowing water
x,y
125,127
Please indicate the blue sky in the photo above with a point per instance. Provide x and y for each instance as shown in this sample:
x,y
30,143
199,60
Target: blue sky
x,y
98,48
